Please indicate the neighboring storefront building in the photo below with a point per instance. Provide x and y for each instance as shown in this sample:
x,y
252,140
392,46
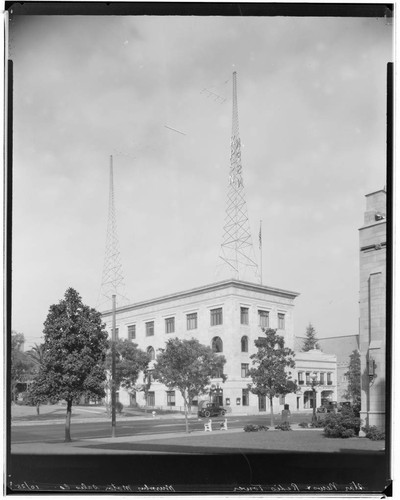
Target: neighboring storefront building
x,y
322,367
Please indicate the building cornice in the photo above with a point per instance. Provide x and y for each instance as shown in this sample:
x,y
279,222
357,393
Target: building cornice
x,y
220,285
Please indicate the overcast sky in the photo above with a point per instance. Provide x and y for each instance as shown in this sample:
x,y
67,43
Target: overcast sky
x,y
312,117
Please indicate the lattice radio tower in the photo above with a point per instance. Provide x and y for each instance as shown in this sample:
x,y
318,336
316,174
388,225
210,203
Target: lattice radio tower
x,y
112,282
237,260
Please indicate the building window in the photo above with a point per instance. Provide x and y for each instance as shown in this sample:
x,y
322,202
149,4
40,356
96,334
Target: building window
x,y
191,321
322,378
329,378
245,397
149,377
169,325
151,353
244,315
151,400
300,378
131,332
281,321
308,379
216,373
216,316
216,344
281,400
263,319
245,370
170,398
244,344
149,328
116,334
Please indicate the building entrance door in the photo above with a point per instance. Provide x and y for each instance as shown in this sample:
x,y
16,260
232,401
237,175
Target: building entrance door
x,y
262,403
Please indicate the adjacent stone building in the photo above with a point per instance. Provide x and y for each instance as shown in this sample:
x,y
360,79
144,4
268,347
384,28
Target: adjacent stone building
x,y
373,309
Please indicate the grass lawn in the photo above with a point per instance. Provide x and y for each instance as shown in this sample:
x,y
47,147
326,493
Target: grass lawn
x,y
272,441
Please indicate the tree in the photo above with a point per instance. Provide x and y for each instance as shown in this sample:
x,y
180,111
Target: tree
x,y
310,342
270,376
20,363
75,345
188,366
129,362
36,354
354,378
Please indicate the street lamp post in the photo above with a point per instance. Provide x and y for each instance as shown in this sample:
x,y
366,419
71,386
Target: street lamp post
x,y
313,385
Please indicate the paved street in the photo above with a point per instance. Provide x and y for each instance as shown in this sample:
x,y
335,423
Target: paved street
x,y
54,433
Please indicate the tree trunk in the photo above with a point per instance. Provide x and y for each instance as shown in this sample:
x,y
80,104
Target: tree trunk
x,y
38,409
68,422
272,411
186,413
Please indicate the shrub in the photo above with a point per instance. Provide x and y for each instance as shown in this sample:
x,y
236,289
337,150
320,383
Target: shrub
x,y
255,428
284,426
318,424
372,432
304,425
119,407
250,428
344,424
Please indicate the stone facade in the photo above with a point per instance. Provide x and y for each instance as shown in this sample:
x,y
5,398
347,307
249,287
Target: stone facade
x,y
373,309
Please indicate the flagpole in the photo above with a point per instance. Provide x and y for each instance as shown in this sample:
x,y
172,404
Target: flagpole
x,y
260,239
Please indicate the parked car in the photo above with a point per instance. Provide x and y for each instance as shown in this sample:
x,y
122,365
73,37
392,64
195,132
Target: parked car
x,y
211,410
327,407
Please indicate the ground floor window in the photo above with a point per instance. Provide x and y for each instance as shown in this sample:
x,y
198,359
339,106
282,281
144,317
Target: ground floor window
x,y
132,399
262,402
245,397
150,398
170,398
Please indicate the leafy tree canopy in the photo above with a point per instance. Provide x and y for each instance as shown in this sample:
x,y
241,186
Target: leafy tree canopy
x,y
21,365
311,341
270,374
130,361
354,378
73,358
188,366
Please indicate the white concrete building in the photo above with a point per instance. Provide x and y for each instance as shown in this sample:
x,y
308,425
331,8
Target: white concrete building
x,y
227,316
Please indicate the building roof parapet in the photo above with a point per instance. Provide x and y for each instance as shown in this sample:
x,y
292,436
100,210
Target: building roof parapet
x,y
220,285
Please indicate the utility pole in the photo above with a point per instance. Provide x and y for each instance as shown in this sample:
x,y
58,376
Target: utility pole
x,y
113,391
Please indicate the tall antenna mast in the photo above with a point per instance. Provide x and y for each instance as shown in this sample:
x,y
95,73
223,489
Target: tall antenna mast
x,y
237,252
112,282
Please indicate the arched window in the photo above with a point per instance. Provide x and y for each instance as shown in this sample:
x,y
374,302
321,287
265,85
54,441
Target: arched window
x,y
216,344
244,344
151,353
